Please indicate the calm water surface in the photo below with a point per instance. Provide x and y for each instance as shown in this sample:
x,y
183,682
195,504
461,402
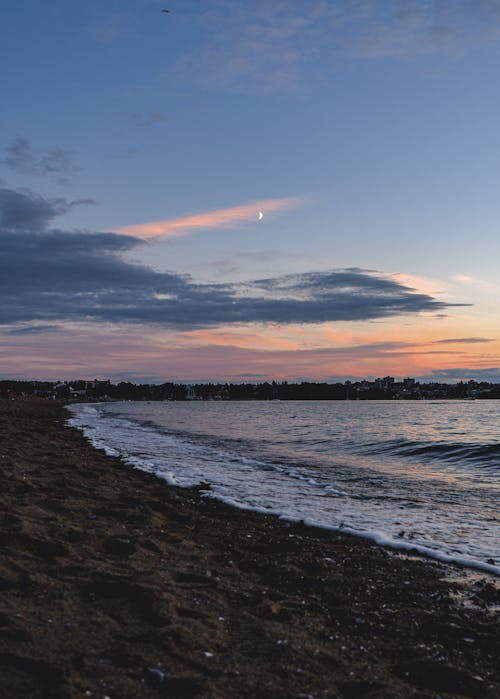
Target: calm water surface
x,y
419,474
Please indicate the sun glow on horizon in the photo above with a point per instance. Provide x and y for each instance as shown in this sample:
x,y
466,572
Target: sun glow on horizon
x,y
295,352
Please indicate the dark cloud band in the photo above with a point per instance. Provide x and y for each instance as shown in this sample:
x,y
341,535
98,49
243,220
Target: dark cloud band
x,y
50,275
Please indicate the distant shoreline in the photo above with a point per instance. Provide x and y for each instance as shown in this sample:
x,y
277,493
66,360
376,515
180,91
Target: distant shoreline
x,y
387,388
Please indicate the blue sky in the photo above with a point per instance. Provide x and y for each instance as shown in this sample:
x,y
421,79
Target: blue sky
x,y
365,131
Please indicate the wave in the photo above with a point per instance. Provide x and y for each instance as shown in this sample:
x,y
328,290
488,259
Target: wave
x,y
397,512
481,454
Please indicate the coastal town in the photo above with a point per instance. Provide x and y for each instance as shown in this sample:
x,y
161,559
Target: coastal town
x,y
387,388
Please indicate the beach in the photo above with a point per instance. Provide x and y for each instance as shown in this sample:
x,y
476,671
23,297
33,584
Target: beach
x,y
114,584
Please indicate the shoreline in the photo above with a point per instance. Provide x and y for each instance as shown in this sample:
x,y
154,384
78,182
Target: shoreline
x,y
118,585
486,566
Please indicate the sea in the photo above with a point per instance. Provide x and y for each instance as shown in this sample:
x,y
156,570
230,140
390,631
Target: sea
x,y
417,475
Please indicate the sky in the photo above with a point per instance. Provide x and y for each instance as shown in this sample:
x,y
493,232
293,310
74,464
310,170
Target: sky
x,y
238,191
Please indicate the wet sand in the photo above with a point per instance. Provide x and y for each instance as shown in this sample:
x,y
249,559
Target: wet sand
x,y
113,584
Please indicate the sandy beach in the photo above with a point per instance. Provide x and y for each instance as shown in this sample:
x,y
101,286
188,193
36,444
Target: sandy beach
x,y
116,585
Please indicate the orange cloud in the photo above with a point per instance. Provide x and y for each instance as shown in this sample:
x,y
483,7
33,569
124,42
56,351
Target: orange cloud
x,y
219,218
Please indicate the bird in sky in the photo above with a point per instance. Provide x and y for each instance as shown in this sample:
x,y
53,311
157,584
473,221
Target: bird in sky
x,y
167,11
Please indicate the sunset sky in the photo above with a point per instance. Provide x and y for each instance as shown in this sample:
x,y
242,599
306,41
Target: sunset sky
x,y
137,149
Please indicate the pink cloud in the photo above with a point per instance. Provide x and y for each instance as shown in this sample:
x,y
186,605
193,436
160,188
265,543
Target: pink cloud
x,y
218,218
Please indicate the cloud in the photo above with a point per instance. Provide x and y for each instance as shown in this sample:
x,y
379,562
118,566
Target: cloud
x,y
219,218
50,275
468,280
28,211
490,374
464,340
264,47
55,162
25,210
34,330
225,266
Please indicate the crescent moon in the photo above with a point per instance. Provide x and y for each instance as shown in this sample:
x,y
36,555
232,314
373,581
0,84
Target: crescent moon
x,y
261,215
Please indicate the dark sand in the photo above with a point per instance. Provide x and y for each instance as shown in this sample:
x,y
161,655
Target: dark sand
x,y
113,584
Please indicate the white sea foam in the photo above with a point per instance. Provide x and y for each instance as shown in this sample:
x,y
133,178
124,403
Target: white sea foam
x,y
436,518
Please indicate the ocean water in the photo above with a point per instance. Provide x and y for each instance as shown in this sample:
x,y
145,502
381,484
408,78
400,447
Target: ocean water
x,y
421,475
